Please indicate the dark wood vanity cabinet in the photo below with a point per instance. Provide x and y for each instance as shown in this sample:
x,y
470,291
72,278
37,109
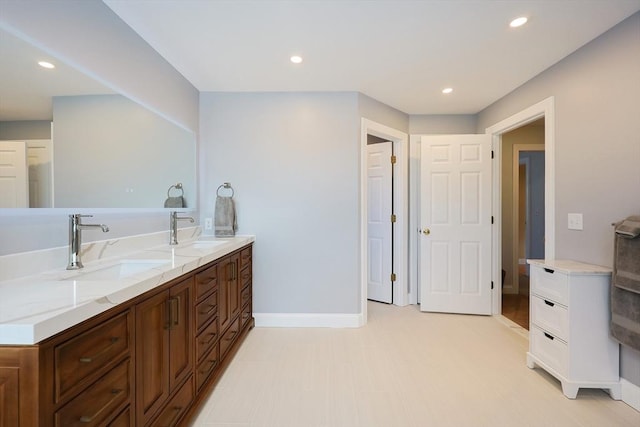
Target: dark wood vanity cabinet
x,y
148,362
164,347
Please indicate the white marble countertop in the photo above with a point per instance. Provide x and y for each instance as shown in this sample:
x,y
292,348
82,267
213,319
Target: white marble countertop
x,y
37,307
571,267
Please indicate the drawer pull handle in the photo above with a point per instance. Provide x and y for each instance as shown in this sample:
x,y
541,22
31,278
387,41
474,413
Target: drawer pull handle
x,y
548,270
89,359
233,334
210,309
212,364
549,336
212,336
206,281
549,303
178,411
87,419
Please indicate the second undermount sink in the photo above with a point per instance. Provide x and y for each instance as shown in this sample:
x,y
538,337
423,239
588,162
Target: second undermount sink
x,y
120,270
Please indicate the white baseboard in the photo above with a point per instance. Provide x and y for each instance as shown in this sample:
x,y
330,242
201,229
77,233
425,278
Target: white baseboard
x,y
308,320
630,394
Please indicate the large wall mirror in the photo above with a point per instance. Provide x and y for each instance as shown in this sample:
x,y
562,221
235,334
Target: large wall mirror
x,y
67,141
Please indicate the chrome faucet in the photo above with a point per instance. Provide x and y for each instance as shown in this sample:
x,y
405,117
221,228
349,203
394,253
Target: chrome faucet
x,y
75,238
173,226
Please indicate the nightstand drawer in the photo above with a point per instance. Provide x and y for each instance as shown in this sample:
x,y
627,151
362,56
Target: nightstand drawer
x,y
549,349
550,316
550,284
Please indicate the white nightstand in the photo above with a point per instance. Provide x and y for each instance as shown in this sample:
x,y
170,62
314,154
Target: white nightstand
x,y
569,326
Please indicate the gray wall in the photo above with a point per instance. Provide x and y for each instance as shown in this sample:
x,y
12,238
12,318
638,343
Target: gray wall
x,y
88,35
381,113
293,160
25,129
597,110
420,124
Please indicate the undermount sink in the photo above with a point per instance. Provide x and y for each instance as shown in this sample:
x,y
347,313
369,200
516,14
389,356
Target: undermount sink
x,y
122,269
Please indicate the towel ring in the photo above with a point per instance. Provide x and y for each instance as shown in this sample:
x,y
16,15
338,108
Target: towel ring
x,y
225,185
177,186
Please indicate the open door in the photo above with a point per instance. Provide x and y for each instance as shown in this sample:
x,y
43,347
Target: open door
x,y
14,177
455,244
379,224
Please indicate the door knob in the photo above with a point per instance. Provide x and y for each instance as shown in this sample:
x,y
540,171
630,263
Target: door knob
x,y
426,231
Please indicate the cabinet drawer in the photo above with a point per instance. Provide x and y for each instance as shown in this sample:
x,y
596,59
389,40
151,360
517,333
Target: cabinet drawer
x,y
88,352
206,281
176,407
245,277
245,258
549,349
245,296
550,316
245,315
207,367
206,339
206,310
98,402
123,419
548,283
229,337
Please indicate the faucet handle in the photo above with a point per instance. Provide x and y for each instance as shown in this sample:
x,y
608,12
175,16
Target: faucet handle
x,y
80,216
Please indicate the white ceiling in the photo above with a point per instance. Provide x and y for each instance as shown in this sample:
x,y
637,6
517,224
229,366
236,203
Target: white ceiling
x,y
401,53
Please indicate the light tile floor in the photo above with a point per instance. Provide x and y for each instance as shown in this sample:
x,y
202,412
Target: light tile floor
x,y
403,369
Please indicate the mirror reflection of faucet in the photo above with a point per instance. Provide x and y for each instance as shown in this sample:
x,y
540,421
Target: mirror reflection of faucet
x,y
75,238
173,226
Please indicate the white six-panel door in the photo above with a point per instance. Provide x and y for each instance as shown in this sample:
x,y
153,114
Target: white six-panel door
x,y
379,232
14,178
455,243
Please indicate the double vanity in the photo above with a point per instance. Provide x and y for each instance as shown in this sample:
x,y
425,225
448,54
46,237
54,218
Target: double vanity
x,y
133,339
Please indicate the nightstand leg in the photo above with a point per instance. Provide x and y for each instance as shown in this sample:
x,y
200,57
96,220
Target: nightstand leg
x,y
570,390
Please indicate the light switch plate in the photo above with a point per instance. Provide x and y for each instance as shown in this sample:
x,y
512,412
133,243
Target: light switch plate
x,y
575,221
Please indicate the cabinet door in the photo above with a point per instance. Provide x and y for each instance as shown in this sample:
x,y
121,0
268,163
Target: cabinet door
x,y
20,403
9,404
228,294
180,332
152,355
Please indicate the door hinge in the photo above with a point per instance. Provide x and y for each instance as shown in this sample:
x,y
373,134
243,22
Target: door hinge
x,y
492,284
393,160
491,219
393,277
393,218
492,154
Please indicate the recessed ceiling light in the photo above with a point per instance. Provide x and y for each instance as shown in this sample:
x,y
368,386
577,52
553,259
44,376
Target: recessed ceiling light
x,y
518,22
296,59
46,64
447,90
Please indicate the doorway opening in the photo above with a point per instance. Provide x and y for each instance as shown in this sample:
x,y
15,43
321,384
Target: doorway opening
x,y
523,211
542,110
399,142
